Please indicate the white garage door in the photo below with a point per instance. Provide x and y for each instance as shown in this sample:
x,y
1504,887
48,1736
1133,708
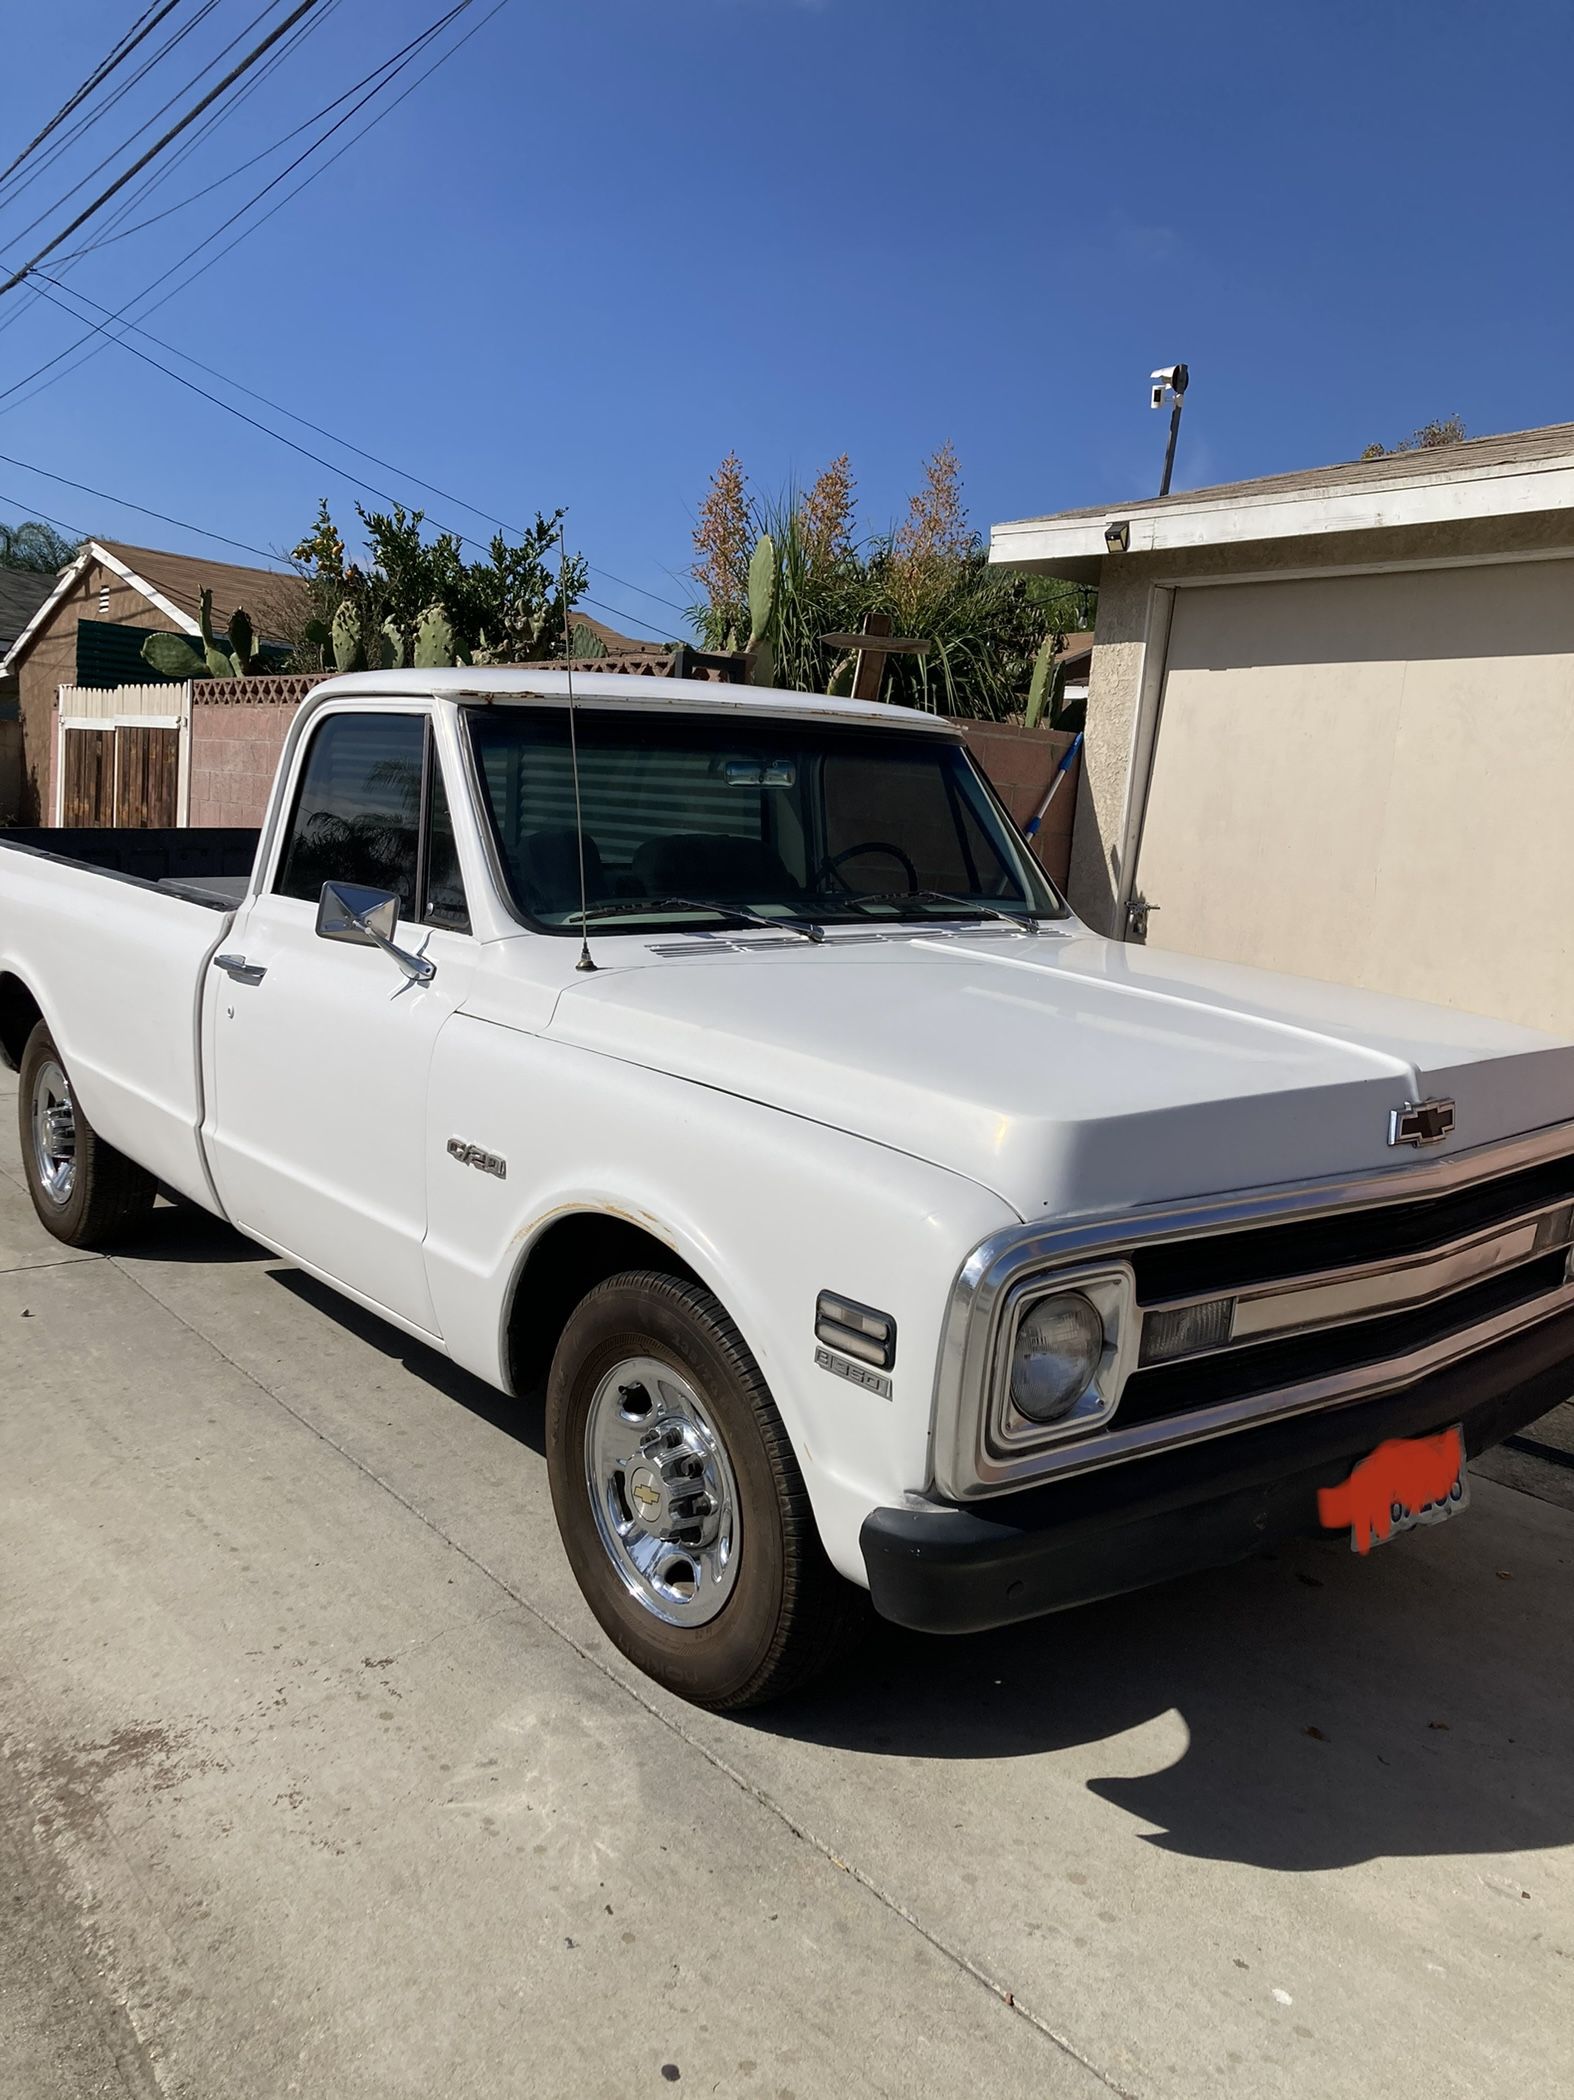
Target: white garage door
x,y
1371,779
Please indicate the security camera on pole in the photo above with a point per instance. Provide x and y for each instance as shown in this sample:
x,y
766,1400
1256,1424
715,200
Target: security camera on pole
x,y
1172,380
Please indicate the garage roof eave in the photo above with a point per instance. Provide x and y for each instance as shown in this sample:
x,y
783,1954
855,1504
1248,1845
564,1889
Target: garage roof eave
x,y
1072,544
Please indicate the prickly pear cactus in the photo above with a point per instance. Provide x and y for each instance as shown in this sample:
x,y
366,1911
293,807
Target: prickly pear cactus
x,y
349,653
583,641
172,656
242,642
390,647
434,640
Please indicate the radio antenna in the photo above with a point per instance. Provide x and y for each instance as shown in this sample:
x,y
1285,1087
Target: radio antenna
x,y
585,962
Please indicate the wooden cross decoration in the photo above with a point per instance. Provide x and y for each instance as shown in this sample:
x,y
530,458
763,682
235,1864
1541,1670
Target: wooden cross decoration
x,y
874,643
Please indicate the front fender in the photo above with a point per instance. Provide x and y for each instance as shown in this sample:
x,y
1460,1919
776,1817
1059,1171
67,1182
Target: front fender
x,y
768,1209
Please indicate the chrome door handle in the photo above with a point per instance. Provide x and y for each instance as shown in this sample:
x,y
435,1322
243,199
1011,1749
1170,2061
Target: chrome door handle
x,y
242,971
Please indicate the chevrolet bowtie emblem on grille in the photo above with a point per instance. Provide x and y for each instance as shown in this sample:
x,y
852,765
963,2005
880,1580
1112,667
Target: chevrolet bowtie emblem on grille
x,y
1421,1123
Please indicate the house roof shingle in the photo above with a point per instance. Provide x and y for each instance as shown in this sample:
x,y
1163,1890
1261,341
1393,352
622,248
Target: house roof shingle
x,y
182,578
22,592
1512,449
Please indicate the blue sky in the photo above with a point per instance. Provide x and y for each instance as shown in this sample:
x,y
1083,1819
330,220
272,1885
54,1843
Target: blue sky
x,y
612,239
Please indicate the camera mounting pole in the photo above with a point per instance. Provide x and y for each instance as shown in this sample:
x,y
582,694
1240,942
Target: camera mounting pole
x,y
1172,380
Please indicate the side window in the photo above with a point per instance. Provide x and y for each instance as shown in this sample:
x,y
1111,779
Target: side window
x,y
358,808
445,889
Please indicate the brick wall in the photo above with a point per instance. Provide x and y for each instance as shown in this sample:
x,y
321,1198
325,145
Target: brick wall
x,y
1021,763
234,752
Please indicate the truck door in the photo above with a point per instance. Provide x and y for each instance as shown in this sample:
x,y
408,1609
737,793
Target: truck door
x,y
320,1050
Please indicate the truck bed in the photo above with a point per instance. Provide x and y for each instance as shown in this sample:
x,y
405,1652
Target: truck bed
x,y
111,933
207,866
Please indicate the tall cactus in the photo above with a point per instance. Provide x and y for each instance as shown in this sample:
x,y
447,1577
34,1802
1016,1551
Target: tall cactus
x,y
218,660
762,612
1041,690
349,649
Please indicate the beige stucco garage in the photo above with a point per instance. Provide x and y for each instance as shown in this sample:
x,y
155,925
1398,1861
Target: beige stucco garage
x,y
1331,722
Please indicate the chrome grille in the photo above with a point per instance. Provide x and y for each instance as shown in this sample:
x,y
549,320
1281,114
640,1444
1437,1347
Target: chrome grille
x,y
1269,1303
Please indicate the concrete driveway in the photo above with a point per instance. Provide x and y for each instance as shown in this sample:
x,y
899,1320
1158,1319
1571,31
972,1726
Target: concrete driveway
x,y
320,1780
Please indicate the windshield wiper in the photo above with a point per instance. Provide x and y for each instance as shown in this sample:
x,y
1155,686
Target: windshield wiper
x,y
970,905
738,914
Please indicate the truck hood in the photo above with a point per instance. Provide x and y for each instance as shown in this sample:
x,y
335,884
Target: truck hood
x,y
1068,1073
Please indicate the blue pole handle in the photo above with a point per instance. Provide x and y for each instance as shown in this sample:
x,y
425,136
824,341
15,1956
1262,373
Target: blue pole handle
x,y
1066,757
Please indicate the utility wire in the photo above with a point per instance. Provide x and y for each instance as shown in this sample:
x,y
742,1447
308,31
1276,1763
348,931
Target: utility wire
x,y
85,123
106,240
155,177
333,437
303,7
95,327
160,175
83,533
125,503
142,27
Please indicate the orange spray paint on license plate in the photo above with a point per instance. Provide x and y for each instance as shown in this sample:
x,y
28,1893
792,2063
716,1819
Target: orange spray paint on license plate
x,y
1407,1481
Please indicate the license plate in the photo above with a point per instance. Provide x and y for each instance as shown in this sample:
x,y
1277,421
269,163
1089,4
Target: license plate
x,y
1405,1482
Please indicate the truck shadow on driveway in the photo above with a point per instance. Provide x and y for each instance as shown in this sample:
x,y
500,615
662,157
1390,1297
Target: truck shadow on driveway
x,y
178,1231
521,1419
1334,1711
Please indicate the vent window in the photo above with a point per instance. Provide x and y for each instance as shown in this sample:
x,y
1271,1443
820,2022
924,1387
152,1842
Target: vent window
x,y
103,601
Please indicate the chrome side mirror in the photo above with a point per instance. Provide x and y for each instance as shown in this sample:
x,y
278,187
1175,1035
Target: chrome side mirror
x,y
348,912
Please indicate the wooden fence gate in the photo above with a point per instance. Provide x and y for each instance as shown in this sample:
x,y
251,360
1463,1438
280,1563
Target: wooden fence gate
x,y
120,776
87,759
147,778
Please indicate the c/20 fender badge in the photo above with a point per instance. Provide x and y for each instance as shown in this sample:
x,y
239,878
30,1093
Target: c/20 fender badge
x,y
473,1156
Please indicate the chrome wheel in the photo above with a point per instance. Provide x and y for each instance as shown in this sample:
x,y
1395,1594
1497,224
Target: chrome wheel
x,y
54,1133
663,1493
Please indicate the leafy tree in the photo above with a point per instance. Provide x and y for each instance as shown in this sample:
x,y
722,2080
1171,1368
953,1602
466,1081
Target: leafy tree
x,y
1447,430
36,547
930,576
506,609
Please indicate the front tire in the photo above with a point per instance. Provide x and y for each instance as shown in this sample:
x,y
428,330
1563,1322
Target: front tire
x,y
680,1504
84,1191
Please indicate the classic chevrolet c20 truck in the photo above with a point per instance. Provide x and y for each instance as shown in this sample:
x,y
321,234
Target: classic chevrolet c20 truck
x,y
722,1061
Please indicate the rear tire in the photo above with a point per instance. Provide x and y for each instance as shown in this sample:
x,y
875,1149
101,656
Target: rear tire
x,y
84,1191
656,1410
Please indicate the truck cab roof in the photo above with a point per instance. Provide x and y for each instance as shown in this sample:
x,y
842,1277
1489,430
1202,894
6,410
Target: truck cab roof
x,y
512,686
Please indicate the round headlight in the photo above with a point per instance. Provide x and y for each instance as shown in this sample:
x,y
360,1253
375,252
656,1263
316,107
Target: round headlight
x,y
1057,1349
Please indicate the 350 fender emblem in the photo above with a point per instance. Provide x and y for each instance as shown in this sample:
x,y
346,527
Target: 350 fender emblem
x,y
473,1156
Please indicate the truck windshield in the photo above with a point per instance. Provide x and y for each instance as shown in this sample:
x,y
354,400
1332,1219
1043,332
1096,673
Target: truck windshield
x,y
700,821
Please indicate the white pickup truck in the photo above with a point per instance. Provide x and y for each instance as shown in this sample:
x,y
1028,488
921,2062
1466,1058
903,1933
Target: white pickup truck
x,y
723,1059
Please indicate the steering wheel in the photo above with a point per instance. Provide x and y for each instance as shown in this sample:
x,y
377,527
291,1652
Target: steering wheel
x,y
832,863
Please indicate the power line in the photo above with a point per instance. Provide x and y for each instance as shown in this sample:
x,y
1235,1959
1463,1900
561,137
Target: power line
x,y
155,178
107,239
125,503
333,436
96,328
397,61
85,123
303,7
141,28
